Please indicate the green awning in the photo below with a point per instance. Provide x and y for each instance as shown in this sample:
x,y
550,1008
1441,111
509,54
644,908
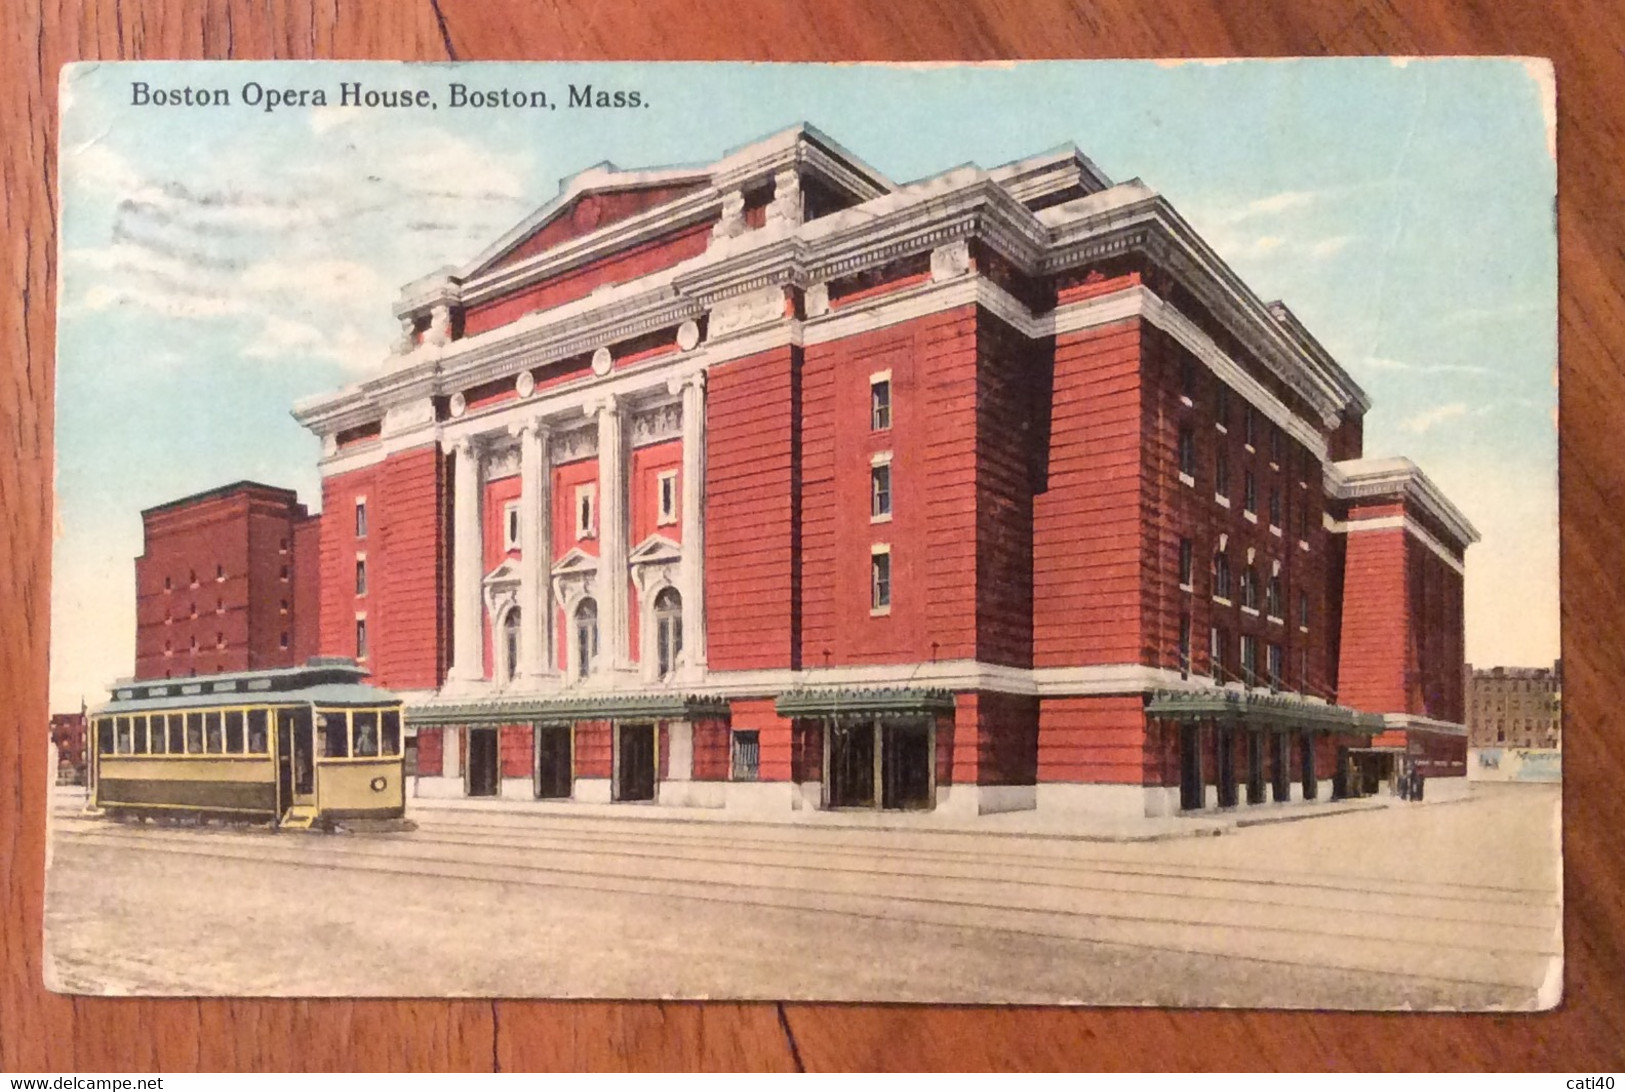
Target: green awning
x,y
557,709
1249,709
858,702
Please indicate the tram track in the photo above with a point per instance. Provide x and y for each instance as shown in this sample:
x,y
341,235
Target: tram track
x,y
1226,925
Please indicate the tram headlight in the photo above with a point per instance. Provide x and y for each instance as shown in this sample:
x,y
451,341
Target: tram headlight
x,y
379,784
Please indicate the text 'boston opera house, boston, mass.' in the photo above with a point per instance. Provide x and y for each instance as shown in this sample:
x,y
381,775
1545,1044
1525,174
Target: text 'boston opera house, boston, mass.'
x,y
775,487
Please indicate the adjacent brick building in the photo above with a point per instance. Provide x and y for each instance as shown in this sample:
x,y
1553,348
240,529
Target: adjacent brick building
x,y
226,582
1520,707
773,485
68,737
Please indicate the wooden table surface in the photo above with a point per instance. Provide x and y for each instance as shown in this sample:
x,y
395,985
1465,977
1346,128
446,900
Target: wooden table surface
x,y
40,1031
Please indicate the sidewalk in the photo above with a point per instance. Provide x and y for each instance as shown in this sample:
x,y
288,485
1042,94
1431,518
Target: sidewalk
x,y
1029,824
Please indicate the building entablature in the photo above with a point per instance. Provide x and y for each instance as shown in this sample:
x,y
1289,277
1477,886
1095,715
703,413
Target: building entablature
x,y
1372,482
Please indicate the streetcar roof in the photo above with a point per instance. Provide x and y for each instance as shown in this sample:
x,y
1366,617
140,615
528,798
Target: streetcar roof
x,y
323,681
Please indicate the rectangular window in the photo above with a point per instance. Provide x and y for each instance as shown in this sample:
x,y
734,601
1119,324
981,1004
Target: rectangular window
x,y
194,733
1303,669
361,517
880,401
1276,444
1187,453
510,526
391,732
1221,474
1221,575
138,735
1249,486
234,732
365,724
1249,425
258,736
1303,609
1217,652
1275,506
213,735
1187,376
880,580
586,510
1184,643
1303,523
361,576
1221,411
335,735
1249,659
1186,553
880,491
361,638
177,734
1277,665
666,496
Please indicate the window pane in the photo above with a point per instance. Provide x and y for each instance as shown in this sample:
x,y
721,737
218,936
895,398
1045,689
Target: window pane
x,y
365,722
335,732
157,738
258,737
392,732
214,738
234,732
138,735
123,725
880,404
104,735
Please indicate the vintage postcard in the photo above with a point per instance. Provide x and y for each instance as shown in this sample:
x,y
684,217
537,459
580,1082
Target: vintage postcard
x,y
1048,533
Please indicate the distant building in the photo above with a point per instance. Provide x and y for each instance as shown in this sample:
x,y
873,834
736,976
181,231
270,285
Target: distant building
x,y
1517,707
68,735
226,582
774,485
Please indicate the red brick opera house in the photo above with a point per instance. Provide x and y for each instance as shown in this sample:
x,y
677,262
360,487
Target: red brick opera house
x,y
776,486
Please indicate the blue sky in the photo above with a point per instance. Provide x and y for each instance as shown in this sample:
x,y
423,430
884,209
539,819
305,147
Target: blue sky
x,y
220,263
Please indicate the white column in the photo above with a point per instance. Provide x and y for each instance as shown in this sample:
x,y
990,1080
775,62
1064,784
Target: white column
x,y
535,551
614,617
691,569
468,638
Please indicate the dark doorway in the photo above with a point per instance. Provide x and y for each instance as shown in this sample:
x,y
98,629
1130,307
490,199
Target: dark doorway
x,y
1190,767
1306,765
851,765
484,777
905,766
554,779
635,762
1227,767
1280,768
1255,767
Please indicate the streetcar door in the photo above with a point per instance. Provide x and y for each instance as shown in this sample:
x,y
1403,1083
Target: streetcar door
x,y
296,757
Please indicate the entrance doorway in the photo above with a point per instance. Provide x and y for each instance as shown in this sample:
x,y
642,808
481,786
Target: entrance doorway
x,y
634,762
895,757
1190,767
296,762
484,777
905,766
1280,768
1227,767
554,770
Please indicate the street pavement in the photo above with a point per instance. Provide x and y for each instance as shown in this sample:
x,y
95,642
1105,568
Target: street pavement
x,y
1450,905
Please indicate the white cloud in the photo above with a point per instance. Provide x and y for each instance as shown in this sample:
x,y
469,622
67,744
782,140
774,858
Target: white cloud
x,y
1389,364
1325,248
1430,418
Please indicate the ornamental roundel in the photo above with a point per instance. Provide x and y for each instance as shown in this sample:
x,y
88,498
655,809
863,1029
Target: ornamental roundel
x,y
688,336
602,361
458,404
525,385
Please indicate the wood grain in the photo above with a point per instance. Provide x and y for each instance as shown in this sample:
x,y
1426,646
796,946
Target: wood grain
x,y
39,1031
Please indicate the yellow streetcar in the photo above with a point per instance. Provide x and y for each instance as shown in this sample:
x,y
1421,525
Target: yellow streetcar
x,y
296,747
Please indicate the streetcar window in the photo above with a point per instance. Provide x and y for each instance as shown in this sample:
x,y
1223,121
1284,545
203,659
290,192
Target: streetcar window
x,y
194,733
234,732
123,724
392,732
212,735
138,735
365,722
177,734
104,735
335,731
155,732
257,735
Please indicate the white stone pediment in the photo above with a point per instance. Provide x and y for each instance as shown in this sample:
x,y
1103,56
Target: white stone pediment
x,y
575,576
654,561
577,561
503,574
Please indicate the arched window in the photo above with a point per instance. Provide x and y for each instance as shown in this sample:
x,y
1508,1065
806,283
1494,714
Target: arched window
x,y
668,629
510,643
586,637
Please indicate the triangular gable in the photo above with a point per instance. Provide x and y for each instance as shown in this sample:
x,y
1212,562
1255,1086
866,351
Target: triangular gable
x,y
576,561
655,549
587,202
505,573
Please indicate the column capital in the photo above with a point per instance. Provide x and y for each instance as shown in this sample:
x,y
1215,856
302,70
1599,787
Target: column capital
x,y
536,425
603,404
682,381
464,445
